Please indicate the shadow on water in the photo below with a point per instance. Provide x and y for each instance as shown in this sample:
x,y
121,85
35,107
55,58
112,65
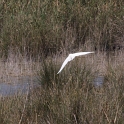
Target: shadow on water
x,y
18,85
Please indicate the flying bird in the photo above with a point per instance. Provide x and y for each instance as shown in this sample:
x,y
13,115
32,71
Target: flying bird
x,y
71,57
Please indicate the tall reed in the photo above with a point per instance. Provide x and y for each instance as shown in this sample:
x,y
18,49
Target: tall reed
x,y
37,27
71,96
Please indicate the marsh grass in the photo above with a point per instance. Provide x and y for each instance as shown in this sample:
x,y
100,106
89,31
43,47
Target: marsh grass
x,y
16,66
52,26
71,97
31,30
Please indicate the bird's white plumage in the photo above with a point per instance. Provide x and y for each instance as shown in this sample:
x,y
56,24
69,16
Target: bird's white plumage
x,y
71,57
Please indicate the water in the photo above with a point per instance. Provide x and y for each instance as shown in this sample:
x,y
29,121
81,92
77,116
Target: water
x,y
24,84
18,85
98,81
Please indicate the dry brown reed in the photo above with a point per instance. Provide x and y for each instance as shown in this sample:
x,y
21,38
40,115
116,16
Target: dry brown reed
x,y
71,97
30,30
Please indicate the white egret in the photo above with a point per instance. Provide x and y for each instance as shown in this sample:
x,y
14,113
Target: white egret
x,y
71,57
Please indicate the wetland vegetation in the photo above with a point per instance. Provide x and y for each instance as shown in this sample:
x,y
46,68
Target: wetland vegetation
x,y
36,37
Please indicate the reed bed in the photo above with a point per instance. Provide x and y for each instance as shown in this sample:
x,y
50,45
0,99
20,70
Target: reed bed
x,y
71,96
16,66
35,38
41,27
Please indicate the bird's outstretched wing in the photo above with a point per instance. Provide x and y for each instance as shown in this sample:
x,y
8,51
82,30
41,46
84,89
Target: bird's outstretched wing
x,y
69,58
81,53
